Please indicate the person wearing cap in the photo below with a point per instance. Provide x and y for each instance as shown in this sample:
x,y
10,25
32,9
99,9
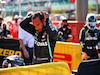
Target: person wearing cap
x,y
15,27
4,33
65,33
20,18
26,41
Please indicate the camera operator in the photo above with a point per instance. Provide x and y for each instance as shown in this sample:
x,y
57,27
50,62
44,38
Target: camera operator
x,y
65,33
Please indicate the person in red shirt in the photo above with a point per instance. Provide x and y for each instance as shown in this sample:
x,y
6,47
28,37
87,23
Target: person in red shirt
x,y
15,27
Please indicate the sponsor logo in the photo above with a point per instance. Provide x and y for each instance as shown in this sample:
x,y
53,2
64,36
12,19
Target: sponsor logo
x,y
67,31
63,57
7,52
41,43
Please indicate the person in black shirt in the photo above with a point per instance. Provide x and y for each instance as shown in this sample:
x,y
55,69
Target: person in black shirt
x,y
65,33
90,37
4,33
45,36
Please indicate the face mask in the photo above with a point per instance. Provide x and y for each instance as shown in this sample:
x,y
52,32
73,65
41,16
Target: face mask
x,y
16,20
4,28
92,26
65,26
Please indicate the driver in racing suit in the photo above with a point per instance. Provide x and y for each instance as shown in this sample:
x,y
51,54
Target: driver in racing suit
x,y
45,38
90,37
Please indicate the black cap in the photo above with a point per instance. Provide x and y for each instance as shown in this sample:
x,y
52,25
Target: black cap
x,y
65,20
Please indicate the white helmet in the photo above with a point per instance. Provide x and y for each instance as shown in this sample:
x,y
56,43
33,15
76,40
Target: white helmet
x,y
16,17
62,18
12,61
91,21
20,16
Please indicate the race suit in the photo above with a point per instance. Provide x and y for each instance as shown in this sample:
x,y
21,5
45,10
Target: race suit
x,y
89,39
44,41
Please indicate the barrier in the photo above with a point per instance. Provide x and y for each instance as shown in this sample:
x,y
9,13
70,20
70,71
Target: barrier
x,y
9,47
60,68
89,67
69,53
75,27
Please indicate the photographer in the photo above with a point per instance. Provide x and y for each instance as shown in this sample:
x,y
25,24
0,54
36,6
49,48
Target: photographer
x,y
45,36
4,32
65,33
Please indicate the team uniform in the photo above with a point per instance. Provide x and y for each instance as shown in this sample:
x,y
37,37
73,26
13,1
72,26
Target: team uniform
x,y
44,41
89,38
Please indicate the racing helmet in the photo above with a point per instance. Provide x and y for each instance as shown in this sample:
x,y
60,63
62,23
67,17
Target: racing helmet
x,y
91,21
12,61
